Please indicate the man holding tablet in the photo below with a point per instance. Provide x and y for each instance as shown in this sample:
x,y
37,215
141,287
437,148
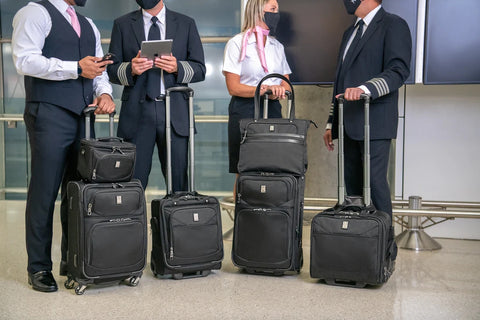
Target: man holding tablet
x,y
142,116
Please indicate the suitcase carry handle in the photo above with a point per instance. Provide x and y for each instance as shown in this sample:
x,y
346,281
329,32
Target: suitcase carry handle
x,y
366,152
290,95
168,133
88,111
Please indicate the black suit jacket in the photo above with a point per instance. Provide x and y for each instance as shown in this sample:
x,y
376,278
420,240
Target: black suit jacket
x,y
381,62
127,36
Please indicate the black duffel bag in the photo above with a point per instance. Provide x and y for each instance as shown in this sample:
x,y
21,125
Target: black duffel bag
x,y
273,145
108,159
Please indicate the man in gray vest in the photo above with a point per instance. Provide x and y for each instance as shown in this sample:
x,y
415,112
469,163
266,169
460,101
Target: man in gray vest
x,y
57,50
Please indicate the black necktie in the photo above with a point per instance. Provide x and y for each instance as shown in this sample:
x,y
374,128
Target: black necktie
x,y
355,41
154,75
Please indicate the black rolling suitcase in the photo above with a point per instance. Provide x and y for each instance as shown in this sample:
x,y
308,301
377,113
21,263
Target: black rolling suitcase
x,y
186,226
108,159
267,236
352,244
107,233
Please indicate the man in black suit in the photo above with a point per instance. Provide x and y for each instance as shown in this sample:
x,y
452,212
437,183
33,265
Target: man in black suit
x,y
142,116
374,58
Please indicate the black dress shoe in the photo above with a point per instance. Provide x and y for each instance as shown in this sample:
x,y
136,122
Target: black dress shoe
x,y
42,281
63,268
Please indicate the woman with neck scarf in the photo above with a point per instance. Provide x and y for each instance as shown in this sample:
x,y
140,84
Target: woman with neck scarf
x,y
250,56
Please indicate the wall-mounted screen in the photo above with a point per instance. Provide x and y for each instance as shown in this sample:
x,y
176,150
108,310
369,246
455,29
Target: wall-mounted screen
x,y
452,42
311,31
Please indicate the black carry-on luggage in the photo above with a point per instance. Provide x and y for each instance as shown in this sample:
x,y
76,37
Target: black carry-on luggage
x,y
107,233
107,222
186,226
108,159
273,145
267,234
352,244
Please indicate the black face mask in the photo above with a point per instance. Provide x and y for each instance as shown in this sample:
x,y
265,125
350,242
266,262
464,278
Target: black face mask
x,y
351,5
80,3
147,4
271,20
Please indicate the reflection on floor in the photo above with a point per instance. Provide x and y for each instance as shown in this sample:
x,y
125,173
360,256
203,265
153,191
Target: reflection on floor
x,y
443,284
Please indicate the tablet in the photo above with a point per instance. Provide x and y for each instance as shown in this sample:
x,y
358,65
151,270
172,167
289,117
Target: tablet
x,y
156,48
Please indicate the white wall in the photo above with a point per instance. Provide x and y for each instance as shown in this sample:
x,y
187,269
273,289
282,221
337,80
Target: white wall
x,y
440,159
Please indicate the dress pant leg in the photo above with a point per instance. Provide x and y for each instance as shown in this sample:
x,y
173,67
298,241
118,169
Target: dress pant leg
x,y
179,152
379,158
51,131
144,139
353,153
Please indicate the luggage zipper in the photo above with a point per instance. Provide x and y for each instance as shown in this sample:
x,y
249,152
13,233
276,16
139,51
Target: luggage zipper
x,y
94,174
171,253
115,149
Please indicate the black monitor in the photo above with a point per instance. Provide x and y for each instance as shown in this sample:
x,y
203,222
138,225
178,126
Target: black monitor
x,y
452,42
311,31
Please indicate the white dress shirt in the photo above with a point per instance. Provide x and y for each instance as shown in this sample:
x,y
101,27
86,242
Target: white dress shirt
x,y
250,69
31,26
147,23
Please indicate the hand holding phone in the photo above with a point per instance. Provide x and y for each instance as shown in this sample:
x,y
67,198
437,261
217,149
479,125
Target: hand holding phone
x,y
108,56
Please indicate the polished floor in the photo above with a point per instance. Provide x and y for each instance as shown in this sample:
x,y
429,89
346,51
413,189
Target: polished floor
x,y
442,284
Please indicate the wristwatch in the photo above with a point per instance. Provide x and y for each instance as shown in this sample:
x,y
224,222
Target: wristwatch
x,y
79,69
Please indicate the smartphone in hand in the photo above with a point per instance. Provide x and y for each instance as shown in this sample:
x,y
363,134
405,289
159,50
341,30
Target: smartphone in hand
x,y
108,56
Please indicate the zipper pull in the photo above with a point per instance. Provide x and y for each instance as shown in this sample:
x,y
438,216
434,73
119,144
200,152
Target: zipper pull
x,y
89,209
94,174
239,195
171,253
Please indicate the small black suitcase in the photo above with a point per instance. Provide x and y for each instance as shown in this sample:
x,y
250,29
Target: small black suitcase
x,y
267,234
186,226
107,233
352,244
108,159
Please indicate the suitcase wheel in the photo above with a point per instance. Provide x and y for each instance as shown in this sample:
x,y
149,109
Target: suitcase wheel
x,y
345,283
80,289
69,283
133,281
196,274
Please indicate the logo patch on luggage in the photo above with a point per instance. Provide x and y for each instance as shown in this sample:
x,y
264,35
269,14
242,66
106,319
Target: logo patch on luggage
x,y
195,217
345,225
119,199
263,189
117,164
272,128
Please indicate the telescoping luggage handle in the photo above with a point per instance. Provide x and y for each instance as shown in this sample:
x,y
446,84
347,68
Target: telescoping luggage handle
x,y
366,152
168,129
290,95
87,112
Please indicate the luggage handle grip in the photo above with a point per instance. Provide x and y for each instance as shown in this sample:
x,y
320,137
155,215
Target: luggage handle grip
x,y
291,97
88,112
366,152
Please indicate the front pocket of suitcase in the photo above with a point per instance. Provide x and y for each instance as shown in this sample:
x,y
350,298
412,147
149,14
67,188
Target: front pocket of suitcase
x,y
113,166
262,238
115,247
344,255
195,235
271,191
116,202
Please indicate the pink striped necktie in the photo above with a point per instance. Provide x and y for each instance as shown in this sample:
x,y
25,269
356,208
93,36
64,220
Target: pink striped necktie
x,y
74,18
